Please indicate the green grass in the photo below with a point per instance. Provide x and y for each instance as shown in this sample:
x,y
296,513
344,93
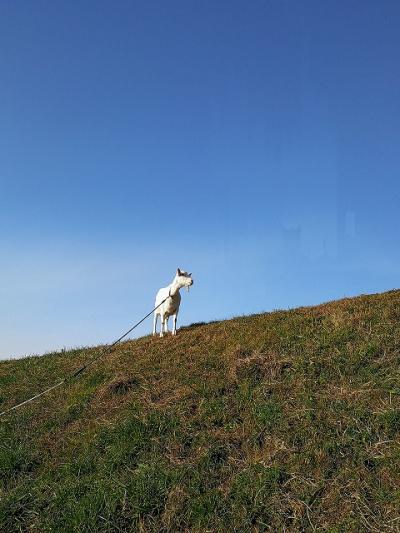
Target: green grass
x,y
286,421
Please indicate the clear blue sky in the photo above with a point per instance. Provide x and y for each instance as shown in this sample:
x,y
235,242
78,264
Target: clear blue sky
x,y
253,143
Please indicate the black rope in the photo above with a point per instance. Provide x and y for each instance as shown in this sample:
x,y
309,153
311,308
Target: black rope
x,y
80,370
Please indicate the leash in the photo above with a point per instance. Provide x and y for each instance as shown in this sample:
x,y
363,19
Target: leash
x,y
82,369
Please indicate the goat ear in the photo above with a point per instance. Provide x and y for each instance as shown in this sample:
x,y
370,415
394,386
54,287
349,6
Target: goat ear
x,y
179,272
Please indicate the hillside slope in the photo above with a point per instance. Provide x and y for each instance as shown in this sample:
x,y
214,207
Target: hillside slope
x,y
287,421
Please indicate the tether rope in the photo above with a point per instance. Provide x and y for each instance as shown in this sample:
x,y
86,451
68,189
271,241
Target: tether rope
x,y
80,370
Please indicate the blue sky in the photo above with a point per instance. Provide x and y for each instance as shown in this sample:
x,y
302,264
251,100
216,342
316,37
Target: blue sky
x,y
253,143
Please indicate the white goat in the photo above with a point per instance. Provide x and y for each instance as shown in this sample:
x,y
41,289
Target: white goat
x,y
171,306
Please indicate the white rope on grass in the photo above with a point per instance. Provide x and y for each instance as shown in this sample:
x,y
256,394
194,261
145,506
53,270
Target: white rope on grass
x,y
81,369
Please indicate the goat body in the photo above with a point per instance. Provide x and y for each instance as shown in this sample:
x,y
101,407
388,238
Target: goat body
x,y
172,298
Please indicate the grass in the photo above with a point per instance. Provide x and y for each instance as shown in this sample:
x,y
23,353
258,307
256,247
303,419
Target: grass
x,y
286,421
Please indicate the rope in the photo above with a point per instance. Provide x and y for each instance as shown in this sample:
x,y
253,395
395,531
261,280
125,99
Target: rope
x,y
90,362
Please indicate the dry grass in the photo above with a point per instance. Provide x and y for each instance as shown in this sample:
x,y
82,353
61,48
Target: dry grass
x,y
287,421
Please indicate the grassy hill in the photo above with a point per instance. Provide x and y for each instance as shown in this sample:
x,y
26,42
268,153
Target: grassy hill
x,y
287,421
